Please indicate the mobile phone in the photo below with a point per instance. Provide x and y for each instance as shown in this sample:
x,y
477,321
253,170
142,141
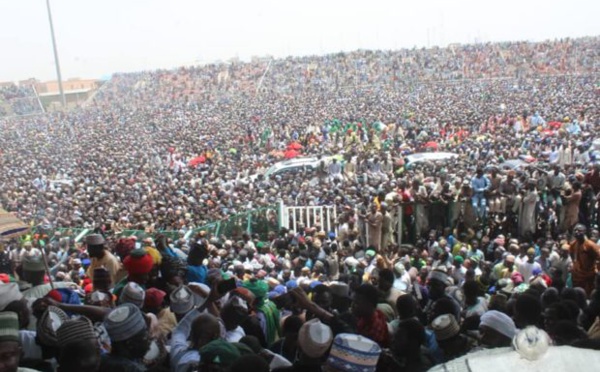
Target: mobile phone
x,y
225,286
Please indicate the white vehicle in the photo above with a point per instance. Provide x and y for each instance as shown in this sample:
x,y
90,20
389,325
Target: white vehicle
x,y
289,166
294,165
432,157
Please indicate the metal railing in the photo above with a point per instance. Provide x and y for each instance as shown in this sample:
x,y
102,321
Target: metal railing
x,y
260,221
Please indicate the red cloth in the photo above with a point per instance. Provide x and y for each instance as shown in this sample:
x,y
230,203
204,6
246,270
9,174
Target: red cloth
x,y
406,198
124,246
138,265
55,295
197,160
290,154
375,328
154,298
555,124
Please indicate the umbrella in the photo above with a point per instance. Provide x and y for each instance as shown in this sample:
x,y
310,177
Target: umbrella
x,y
197,160
11,226
555,124
290,154
294,146
432,145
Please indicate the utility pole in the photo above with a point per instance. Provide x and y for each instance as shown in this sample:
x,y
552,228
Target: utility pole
x,y
56,63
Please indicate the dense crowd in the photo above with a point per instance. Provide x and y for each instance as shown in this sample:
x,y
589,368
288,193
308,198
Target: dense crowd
x,y
18,100
438,264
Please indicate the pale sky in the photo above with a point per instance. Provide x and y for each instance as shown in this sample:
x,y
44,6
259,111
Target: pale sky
x,y
96,38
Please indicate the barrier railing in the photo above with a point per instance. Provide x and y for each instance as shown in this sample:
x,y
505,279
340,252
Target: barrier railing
x,y
259,221
407,228
324,216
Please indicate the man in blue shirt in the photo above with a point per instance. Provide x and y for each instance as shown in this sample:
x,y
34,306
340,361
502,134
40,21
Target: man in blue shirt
x,y
537,120
480,184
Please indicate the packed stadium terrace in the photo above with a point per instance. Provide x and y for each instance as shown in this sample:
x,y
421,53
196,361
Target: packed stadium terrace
x,y
126,132
482,259
18,100
335,72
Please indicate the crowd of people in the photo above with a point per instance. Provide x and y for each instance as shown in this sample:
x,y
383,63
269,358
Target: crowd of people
x,y
18,100
434,264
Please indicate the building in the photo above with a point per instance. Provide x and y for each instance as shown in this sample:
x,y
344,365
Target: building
x,y
77,91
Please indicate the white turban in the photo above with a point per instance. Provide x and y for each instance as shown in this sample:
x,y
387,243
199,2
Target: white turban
x,y
499,322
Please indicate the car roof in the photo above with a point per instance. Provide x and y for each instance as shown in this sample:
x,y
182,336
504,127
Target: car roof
x,y
293,162
430,156
513,163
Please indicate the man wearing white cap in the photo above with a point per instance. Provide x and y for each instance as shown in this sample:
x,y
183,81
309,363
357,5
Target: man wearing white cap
x,y
497,329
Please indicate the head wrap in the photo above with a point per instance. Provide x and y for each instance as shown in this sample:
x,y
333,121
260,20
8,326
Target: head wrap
x,y
75,330
314,338
132,293
219,352
34,260
138,262
94,239
124,246
9,326
182,300
517,278
445,327
98,296
173,266
351,352
340,289
439,275
154,298
499,322
259,288
124,322
48,324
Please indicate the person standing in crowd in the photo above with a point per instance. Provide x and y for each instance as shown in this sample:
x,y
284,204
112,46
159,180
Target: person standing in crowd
x,y
371,322
100,257
480,185
584,254
387,230
78,346
527,220
571,206
374,227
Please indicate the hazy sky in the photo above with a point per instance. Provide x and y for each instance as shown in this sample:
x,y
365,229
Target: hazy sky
x,y
96,38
